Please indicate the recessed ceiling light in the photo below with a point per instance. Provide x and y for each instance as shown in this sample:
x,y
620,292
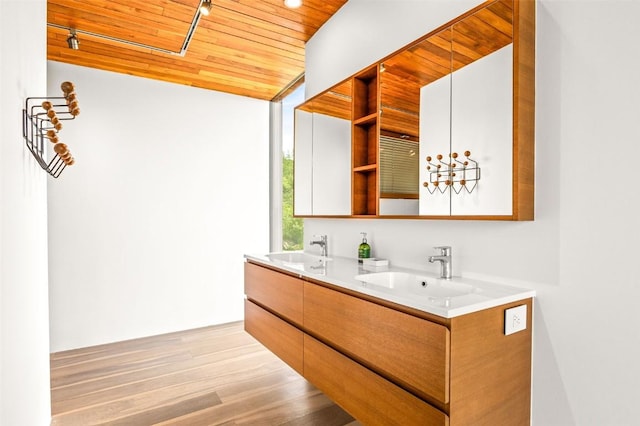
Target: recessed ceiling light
x,y
205,7
293,3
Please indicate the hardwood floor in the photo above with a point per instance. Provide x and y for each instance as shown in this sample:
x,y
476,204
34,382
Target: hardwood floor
x,y
216,375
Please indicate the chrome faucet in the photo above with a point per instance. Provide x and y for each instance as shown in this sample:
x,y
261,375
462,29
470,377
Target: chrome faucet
x,y
322,242
445,261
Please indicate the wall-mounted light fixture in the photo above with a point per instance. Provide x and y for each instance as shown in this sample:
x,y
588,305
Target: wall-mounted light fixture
x,y
205,7
293,3
72,40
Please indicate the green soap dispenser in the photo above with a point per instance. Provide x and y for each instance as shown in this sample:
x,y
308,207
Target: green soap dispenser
x,y
364,249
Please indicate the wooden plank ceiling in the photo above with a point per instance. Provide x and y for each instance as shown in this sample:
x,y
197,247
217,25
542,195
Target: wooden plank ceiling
x,y
251,48
475,36
403,73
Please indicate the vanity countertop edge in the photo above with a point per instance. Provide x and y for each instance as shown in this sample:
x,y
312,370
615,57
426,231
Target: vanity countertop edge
x,y
341,272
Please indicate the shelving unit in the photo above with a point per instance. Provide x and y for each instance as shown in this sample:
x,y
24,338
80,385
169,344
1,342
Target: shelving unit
x,y
365,133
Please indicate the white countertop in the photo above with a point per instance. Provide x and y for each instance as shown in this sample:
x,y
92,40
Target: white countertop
x,y
341,271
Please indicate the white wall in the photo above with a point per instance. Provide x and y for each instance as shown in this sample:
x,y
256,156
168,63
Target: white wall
x,y
364,31
580,253
148,229
24,316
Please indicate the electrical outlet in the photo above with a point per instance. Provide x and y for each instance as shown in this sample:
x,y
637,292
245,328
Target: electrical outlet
x,y
515,319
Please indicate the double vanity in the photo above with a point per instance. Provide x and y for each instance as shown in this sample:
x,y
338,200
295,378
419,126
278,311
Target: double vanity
x,y
394,345
441,129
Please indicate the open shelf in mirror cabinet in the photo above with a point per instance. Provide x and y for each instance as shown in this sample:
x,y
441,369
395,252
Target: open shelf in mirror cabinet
x,y
441,129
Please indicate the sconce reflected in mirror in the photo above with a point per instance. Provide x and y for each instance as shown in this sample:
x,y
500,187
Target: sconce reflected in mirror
x,y
72,40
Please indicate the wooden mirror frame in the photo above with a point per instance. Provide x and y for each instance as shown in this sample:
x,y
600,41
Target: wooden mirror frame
x,y
366,104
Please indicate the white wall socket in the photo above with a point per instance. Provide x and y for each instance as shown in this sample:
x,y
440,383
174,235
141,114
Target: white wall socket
x,y
515,319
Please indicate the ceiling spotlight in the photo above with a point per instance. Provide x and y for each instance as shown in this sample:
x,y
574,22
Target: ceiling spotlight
x,y
72,40
293,3
205,7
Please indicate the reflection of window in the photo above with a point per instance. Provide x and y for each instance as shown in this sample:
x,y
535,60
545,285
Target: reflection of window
x,y
292,228
399,168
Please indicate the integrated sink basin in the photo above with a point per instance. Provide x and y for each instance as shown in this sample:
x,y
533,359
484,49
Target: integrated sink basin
x,y
412,284
301,261
297,257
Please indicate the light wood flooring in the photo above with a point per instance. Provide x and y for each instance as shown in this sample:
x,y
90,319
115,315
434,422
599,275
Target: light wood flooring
x,y
216,375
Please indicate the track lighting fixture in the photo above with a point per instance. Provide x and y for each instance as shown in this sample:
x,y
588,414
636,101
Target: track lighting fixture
x,y
72,40
205,7
293,3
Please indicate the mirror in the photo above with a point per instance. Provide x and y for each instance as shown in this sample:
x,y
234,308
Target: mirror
x,y
482,111
452,92
322,154
453,137
404,117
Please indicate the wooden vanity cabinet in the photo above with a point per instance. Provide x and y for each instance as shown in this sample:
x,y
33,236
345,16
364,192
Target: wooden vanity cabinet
x,y
389,364
274,290
490,378
273,312
280,337
409,350
367,396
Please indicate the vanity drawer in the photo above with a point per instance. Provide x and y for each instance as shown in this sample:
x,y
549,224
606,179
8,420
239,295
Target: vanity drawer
x,y
280,337
367,396
407,350
278,292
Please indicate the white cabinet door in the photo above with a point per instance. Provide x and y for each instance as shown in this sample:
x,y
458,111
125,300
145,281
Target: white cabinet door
x,y
331,166
482,123
435,138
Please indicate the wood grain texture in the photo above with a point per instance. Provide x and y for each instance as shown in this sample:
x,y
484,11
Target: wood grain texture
x,y
365,132
214,375
410,351
371,398
251,48
365,92
362,351
277,291
524,54
463,41
490,372
278,336
335,102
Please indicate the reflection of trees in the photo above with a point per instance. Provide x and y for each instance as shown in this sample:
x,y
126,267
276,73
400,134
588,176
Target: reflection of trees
x,y
291,227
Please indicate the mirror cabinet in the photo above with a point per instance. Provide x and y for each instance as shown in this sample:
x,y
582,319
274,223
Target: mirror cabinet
x,y
441,129
322,154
